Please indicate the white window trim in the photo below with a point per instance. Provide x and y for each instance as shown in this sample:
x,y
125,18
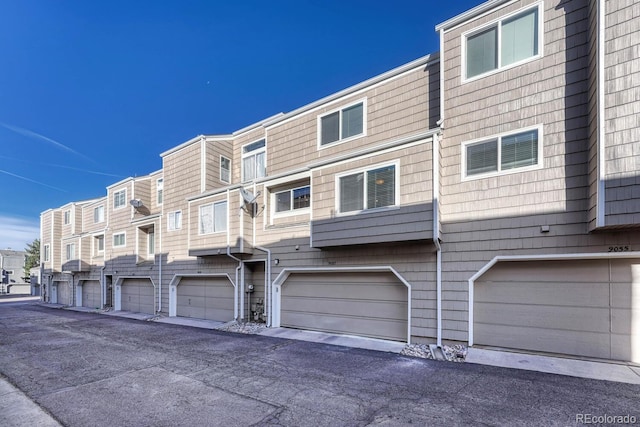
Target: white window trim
x,y
64,217
362,101
94,214
463,156
396,205
46,255
225,157
253,153
158,191
290,212
95,251
200,233
115,198
497,22
113,238
66,252
176,228
151,255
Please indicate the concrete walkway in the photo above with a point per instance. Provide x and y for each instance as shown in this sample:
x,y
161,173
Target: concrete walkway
x,y
19,411
612,371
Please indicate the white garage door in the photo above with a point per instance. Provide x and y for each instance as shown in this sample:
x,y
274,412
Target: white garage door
x,y
587,308
137,296
91,294
63,292
209,298
365,304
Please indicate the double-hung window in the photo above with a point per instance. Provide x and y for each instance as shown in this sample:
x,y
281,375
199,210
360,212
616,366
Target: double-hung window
x,y
253,160
225,169
67,217
213,218
119,240
159,191
98,214
509,41
502,153
174,220
120,199
370,189
343,124
294,199
46,256
71,251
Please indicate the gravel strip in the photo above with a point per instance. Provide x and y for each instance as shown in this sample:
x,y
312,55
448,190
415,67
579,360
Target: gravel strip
x,y
243,328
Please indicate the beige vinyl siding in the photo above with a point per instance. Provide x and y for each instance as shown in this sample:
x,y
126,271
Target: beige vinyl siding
x,y
153,192
622,113
141,191
215,149
46,224
197,241
411,220
182,178
486,217
396,108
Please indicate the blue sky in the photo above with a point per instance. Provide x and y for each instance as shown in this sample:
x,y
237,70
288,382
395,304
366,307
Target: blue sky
x,y
93,92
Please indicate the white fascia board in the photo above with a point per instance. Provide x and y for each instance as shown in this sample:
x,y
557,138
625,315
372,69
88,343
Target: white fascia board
x,y
261,123
122,182
470,14
193,140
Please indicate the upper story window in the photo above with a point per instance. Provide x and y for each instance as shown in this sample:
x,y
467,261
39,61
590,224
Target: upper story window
x,y
120,199
225,169
46,253
253,160
174,220
369,189
213,218
67,217
343,124
159,190
98,244
502,154
291,200
509,41
71,251
119,240
98,214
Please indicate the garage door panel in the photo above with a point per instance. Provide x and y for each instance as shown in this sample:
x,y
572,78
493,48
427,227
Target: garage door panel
x,y
354,303
91,294
137,295
370,327
625,321
357,291
568,293
209,298
352,307
587,344
588,317
553,271
63,293
544,316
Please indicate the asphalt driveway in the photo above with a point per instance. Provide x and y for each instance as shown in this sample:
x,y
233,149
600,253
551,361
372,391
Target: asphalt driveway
x,y
88,369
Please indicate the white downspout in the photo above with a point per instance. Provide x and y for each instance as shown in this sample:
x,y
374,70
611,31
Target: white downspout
x,y
436,233
235,302
600,189
160,264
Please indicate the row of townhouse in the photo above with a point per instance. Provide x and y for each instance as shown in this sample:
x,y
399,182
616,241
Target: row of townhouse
x,y
487,194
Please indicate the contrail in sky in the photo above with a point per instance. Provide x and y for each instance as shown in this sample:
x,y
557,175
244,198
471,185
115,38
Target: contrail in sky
x,y
60,166
32,134
31,180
